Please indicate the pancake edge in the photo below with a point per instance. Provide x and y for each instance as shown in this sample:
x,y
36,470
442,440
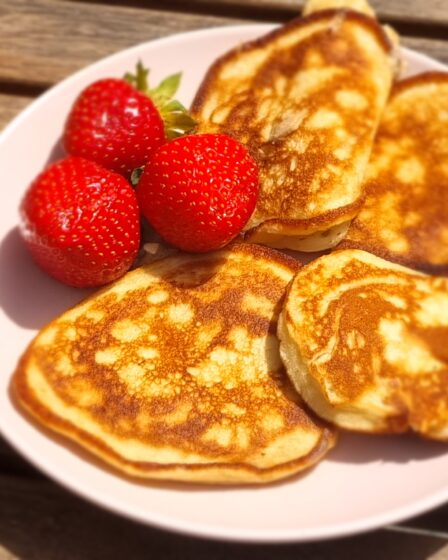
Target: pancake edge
x,y
80,441
308,234
313,392
425,78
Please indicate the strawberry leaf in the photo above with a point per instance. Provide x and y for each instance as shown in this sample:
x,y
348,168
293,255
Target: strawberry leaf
x,y
140,79
175,116
166,89
173,106
177,123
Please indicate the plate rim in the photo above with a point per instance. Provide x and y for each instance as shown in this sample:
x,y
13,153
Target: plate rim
x,y
170,522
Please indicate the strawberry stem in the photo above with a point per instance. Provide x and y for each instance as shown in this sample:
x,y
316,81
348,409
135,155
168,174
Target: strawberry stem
x,y
175,116
140,79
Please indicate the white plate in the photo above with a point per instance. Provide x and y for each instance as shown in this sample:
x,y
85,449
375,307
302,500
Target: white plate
x,y
366,482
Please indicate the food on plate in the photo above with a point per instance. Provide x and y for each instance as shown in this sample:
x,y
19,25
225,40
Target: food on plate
x,y
174,372
365,343
81,222
405,214
120,122
306,100
198,191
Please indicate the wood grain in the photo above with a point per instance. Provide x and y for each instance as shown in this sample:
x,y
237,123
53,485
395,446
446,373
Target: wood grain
x,y
44,41
419,12
39,520
438,49
10,106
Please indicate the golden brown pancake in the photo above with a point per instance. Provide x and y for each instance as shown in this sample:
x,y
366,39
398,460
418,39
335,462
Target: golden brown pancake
x,y
365,342
306,100
405,216
174,372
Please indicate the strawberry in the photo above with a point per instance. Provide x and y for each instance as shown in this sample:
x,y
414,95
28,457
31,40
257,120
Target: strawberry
x,y
198,191
81,223
119,122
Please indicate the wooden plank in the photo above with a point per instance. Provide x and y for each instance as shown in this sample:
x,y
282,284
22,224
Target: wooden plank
x,y
34,48
10,106
43,41
436,521
40,520
417,12
436,48
11,463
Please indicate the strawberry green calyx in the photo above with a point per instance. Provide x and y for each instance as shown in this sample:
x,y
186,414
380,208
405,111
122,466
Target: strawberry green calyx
x,y
135,175
175,116
140,79
177,120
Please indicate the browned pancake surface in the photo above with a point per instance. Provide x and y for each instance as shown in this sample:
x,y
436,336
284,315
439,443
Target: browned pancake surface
x,y
174,372
306,100
405,216
372,341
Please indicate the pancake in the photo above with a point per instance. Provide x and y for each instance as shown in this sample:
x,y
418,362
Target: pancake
x,y
365,342
173,372
405,216
306,100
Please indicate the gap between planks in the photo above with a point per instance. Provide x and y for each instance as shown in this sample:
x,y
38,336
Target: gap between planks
x,y
47,40
11,104
421,18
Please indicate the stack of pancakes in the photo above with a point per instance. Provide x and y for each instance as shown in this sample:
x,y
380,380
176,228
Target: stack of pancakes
x,y
239,366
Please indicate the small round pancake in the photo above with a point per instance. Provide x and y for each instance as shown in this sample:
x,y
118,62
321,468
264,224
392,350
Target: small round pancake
x,y
365,342
405,214
174,372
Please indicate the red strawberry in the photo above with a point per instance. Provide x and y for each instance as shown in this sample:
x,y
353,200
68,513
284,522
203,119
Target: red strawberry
x,y
115,122
81,223
199,191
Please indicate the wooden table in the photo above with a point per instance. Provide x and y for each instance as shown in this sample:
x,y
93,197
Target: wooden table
x,y
41,42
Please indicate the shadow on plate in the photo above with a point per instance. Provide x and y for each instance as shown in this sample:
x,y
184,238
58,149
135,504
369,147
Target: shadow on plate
x,y
369,448
28,296
351,449
57,153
